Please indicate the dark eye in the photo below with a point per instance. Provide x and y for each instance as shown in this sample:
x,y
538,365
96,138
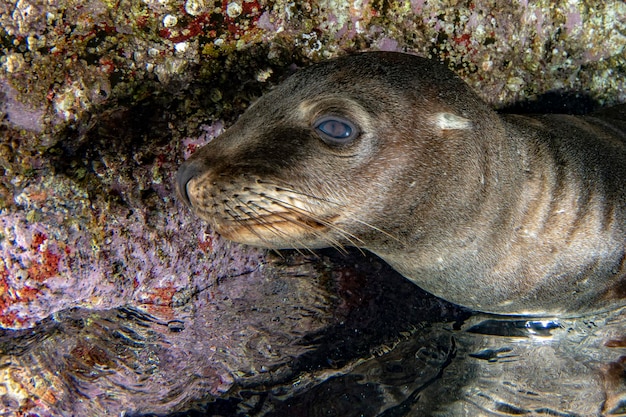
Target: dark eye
x,y
335,130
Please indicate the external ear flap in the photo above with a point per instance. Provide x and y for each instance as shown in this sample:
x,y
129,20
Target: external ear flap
x,y
450,121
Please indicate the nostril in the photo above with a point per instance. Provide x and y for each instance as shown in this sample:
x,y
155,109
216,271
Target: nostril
x,y
186,172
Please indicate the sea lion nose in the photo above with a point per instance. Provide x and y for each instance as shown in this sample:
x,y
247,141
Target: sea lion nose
x,y
186,172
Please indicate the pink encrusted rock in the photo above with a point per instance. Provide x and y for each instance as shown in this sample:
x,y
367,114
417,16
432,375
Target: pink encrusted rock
x,y
65,248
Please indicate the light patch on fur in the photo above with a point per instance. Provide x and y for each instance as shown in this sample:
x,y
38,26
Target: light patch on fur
x,y
450,121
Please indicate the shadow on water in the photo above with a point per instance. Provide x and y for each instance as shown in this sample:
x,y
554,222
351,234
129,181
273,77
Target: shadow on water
x,y
446,364
384,353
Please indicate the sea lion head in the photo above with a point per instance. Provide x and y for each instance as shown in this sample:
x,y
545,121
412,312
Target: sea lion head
x,y
319,160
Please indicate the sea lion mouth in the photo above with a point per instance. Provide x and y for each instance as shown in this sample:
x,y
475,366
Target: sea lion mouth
x,y
279,220
277,230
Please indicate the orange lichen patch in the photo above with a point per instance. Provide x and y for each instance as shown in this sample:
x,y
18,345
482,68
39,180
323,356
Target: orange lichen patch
x,y
464,39
107,65
27,294
158,302
6,300
205,245
192,147
48,265
163,312
9,319
38,197
38,239
161,296
11,295
28,388
91,356
47,268
4,284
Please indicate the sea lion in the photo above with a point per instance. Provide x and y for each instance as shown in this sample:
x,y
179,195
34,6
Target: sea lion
x,y
394,153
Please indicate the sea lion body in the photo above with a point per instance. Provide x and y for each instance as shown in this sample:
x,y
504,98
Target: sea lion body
x,y
394,153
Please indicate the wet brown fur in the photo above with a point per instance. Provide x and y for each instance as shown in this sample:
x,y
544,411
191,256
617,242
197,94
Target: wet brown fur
x,y
507,214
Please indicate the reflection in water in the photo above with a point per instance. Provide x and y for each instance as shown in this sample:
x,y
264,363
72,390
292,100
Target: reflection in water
x,y
551,368
330,337
487,367
512,327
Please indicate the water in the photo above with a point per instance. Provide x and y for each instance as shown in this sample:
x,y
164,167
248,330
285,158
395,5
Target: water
x,y
332,336
488,367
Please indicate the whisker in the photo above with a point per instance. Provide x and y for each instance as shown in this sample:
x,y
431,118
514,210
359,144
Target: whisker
x,y
332,242
281,187
268,225
292,206
254,232
379,230
243,223
333,226
336,244
349,236
353,239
